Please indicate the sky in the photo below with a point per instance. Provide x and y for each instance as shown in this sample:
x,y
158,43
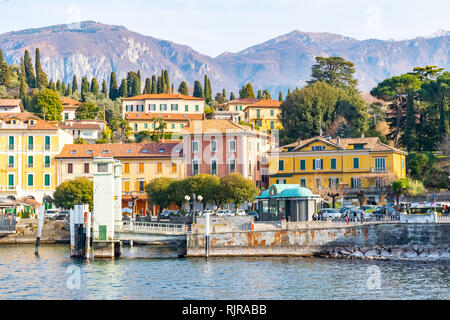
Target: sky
x,y
215,26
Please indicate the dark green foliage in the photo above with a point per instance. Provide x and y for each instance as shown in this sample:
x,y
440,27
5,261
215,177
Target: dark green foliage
x,y
84,88
183,88
154,85
123,90
104,88
41,77
113,89
94,87
148,86
280,96
232,96
74,84
336,71
47,105
88,111
72,192
198,90
165,77
207,94
5,75
246,91
29,70
133,84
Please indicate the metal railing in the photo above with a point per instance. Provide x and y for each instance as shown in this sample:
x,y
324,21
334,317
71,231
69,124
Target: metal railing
x,y
151,227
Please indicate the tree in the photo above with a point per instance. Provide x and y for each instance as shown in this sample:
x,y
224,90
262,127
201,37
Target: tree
x,y
266,94
220,98
84,88
166,81
133,84
207,90
29,70
198,90
74,83
5,76
206,185
183,88
23,85
280,96
123,90
336,71
148,86
113,89
237,189
246,92
72,192
94,87
88,111
154,85
41,77
47,104
426,73
143,136
157,192
104,88
232,96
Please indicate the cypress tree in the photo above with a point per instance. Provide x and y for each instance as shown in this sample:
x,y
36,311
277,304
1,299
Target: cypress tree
x,y
154,85
148,86
160,85
74,84
1,57
133,85
266,94
207,90
259,95
113,89
171,89
84,88
232,96
69,90
224,94
41,77
104,89
29,70
138,84
5,75
123,91
50,84
23,84
198,90
166,81
63,88
183,88
58,85
289,91
94,86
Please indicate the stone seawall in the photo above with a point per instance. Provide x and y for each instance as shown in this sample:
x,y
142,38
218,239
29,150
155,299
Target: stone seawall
x,y
371,241
52,232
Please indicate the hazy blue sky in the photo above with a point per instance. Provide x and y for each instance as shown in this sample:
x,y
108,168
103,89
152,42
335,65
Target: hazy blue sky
x,y
212,26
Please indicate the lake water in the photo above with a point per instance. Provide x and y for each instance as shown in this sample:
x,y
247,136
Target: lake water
x,y
154,272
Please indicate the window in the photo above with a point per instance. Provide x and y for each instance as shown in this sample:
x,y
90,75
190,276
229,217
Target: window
x,y
66,116
302,164
257,165
194,146
380,164
10,181
280,165
232,165
141,167
194,167
355,183
174,167
126,185
47,143
317,164
70,168
181,125
102,167
232,145
145,125
214,167
186,108
249,146
140,108
403,163
159,167
281,181
152,107
258,114
303,182
86,168
174,107
333,182
30,143
47,162
358,146
250,167
11,162
11,143
197,108
172,125
46,180
213,145
318,183
272,113
141,185
318,148
355,163
30,161
333,164
163,107
30,180
129,108
272,125
135,127
126,167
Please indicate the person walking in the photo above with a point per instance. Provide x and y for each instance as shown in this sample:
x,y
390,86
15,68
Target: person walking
x,y
347,215
362,216
355,215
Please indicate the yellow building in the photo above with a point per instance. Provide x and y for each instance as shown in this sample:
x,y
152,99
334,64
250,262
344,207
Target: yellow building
x,y
141,162
264,114
28,146
354,167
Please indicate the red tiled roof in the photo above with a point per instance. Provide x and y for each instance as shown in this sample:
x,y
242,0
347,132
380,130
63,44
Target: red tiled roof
x,y
86,126
11,103
162,96
24,117
265,103
165,116
122,150
244,101
69,103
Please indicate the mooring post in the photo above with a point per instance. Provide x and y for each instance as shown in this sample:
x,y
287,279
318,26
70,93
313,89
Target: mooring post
x,y
72,232
88,235
206,234
39,230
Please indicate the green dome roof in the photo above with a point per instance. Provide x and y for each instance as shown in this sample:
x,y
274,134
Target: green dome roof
x,y
286,191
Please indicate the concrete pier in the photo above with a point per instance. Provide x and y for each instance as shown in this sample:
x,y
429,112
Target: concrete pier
x,y
106,249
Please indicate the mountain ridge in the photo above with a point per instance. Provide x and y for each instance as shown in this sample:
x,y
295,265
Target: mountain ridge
x,y
94,49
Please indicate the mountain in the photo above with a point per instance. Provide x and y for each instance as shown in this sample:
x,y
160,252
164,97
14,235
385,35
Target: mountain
x,y
94,49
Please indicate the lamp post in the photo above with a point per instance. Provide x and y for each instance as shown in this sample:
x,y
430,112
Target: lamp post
x,y
134,197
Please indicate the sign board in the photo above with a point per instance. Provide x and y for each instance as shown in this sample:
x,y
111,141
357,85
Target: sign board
x,y
130,204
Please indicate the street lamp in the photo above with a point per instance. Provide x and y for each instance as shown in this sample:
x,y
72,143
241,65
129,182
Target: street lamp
x,y
134,196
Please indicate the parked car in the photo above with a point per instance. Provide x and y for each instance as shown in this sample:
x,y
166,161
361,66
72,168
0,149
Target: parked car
x,y
369,208
330,213
240,212
254,214
62,215
164,215
222,212
210,212
380,212
230,213
51,213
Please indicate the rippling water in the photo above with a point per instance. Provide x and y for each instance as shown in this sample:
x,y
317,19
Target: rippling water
x,y
154,272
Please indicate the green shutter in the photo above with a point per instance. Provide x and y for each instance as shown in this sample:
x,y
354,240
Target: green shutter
x,y
333,163
11,140
101,232
321,163
30,140
314,164
11,180
11,160
47,140
47,180
302,165
356,163
30,180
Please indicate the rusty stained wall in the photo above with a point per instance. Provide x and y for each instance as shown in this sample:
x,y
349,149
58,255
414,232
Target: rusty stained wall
x,y
314,241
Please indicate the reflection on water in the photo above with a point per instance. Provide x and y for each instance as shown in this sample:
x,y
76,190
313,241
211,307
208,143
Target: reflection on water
x,y
155,272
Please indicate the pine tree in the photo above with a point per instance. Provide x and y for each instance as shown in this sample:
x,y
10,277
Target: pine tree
x,y
154,85
41,77
198,90
113,89
123,91
104,88
280,96
84,88
74,84
266,94
94,86
232,96
148,86
29,70
183,88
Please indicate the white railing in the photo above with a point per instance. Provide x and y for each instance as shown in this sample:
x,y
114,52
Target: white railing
x,y
151,227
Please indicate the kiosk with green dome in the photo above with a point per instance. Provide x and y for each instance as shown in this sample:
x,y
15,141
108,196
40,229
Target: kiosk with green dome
x,y
288,201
